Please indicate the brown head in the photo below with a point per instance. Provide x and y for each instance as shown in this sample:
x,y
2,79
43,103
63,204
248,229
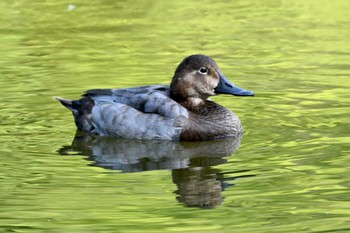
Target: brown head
x,y
199,77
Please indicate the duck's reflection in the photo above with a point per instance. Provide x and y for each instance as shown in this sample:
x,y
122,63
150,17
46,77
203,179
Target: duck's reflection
x,y
191,163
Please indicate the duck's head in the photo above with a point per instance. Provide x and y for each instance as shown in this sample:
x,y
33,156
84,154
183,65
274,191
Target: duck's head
x,y
198,77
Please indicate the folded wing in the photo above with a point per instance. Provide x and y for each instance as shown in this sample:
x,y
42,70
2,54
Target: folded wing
x,y
142,112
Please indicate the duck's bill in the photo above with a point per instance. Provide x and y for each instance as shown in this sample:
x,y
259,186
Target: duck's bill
x,y
226,87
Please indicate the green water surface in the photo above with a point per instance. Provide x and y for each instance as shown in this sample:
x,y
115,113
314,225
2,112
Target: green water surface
x,y
290,173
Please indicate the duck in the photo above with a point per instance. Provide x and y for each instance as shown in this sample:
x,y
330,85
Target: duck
x,y
181,111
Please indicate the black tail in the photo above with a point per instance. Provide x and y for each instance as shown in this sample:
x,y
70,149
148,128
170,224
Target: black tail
x,y
81,110
66,102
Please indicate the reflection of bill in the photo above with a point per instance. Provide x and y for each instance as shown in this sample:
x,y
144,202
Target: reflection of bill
x,y
198,183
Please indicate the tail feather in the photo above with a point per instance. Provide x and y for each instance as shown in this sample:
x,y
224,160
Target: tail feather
x,y
82,110
66,102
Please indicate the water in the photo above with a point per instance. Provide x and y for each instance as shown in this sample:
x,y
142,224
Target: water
x,y
289,173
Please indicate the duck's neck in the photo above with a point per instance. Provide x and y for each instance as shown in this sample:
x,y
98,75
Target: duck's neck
x,y
192,104
209,120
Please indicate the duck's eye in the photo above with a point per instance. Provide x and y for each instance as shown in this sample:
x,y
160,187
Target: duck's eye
x,y
203,70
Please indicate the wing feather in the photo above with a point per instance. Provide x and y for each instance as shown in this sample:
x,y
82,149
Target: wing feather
x,y
143,112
